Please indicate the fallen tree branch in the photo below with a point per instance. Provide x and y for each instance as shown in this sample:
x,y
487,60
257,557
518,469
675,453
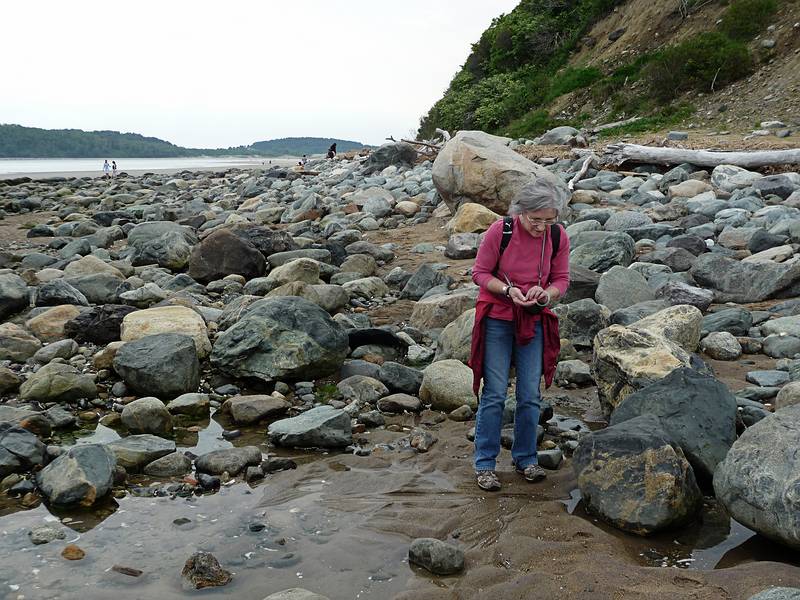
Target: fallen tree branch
x,y
620,153
426,144
585,167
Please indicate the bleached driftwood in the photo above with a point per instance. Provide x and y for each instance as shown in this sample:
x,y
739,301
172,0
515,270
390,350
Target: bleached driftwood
x,y
620,153
445,134
585,167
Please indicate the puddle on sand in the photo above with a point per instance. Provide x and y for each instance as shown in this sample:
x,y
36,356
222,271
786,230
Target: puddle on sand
x,y
715,541
292,544
297,540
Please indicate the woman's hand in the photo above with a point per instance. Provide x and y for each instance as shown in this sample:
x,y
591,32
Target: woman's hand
x,y
518,298
537,295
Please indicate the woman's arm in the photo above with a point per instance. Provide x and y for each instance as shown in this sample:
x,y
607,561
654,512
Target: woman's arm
x,y
487,259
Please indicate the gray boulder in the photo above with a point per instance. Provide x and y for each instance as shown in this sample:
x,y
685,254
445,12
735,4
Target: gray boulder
x,y
697,411
171,465
164,243
56,382
80,476
620,287
778,593
580,321
321,427
635,477
20,449
286,338
600,255
736,281
396,153
757,481
164,365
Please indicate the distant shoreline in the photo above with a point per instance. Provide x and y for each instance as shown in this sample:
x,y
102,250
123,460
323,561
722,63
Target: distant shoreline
x,y
222,163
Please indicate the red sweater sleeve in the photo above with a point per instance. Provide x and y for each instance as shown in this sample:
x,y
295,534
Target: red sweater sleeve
x,y
559,266
488,255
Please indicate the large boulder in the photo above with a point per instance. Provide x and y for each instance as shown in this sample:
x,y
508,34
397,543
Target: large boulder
x,y
741,282
80,476
164,243
472,217
455,341
163,365
635,477
680,324
447,385
758,480
56,382
167,319
441,309
696,410
224,253
626,359
320,427
396,153
581,320
614,249
281,338
478,167
620,287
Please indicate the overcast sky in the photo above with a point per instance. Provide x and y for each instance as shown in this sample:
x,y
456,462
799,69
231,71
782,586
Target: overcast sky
x,y
218,74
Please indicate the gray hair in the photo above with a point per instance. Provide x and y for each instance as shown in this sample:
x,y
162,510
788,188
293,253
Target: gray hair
x,y
538,194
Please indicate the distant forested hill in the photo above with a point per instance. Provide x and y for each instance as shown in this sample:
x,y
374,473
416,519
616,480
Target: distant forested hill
x,y
297,146
17,141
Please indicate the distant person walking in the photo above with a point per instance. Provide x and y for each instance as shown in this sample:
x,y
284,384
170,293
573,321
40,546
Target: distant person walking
x,y
106,169
332,151
113,169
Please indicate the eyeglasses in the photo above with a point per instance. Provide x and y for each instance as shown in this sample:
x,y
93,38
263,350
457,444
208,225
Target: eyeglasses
x,y
539,222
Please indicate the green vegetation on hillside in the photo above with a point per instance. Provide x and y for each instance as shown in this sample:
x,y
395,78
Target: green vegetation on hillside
x,y
297,146
31,142
518,68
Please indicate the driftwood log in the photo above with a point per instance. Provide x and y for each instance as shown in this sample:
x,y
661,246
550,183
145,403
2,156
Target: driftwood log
x,y
621,153
600,128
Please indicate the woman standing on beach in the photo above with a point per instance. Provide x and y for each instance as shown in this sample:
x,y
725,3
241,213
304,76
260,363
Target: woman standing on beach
x,y
113,169
106,168
522,267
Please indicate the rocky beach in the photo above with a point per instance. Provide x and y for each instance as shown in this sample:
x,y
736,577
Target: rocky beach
x,y
253,383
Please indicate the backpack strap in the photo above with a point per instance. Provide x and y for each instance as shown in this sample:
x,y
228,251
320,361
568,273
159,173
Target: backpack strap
x,y
555,236
508,231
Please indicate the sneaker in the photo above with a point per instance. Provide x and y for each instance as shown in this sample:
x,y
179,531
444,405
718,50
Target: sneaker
x,y
532,473
487,480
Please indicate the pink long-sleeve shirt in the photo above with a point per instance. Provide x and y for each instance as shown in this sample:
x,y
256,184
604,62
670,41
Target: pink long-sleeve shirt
x,y
520,263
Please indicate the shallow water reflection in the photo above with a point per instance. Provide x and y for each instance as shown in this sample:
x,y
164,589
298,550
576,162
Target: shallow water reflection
x,y
714,541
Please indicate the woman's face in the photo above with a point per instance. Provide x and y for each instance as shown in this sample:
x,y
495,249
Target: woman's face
x,y
536,222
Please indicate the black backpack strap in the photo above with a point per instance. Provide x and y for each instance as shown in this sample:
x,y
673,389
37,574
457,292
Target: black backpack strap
x,y
555,234
508,231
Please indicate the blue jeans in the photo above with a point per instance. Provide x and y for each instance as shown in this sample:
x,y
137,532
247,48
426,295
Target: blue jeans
x,y
499,346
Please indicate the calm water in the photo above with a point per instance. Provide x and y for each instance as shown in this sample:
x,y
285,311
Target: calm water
x,y
29,166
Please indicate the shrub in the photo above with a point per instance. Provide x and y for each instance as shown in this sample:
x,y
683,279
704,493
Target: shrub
x,y
572,79
745,18
704,62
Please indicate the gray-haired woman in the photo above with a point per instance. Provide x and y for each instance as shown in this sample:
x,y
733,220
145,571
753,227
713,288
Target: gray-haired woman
x,y
522,267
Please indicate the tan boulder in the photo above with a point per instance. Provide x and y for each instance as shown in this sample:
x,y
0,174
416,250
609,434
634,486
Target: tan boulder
x,y
49,326
90,265
167,319
407,208
442,309
627,359
17,344
680,324
478,167
472,218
